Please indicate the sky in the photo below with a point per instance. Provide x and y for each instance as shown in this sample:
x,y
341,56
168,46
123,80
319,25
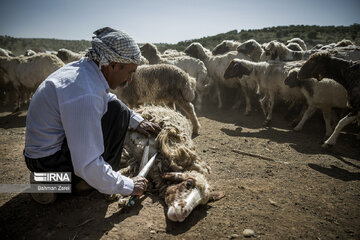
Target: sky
x,y
166,21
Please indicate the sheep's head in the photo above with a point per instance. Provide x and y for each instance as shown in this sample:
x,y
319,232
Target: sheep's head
x,y
191,190
237,69
150,52
221,48
315,66
196,50
247,47
271,50
292,80
294,46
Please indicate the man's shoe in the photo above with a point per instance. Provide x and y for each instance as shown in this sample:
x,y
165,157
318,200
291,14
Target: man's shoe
x,y
44,198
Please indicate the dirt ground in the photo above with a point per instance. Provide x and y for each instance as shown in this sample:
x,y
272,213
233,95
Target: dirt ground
x,y
296,191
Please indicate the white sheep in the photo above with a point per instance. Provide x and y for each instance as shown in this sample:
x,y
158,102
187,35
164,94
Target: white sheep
x,y
323,95
162,83
345,72
29,52
225,46
178,175
269,77
216,65
68,56
252,49
344,43
6,53
275,50
25,74
299,41
294,46
172,53
194,67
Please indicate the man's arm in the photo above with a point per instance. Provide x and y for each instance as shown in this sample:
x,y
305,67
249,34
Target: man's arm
x,y
135,119
81,120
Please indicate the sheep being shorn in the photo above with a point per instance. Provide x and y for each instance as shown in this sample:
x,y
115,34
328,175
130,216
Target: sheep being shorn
x,y
225,46
178,175
162,83
323,95
345,72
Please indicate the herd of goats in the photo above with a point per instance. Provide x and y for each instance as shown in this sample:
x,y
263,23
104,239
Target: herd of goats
x,y
324,77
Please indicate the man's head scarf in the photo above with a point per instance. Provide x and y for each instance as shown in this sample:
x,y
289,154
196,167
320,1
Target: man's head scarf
x,y
110,45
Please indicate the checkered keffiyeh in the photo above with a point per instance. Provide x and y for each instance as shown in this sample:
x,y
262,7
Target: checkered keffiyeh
x,y
110,45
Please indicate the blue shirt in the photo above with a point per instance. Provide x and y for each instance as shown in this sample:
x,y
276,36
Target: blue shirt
x,y
71,103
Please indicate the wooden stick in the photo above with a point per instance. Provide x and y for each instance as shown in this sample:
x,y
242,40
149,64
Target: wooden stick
x,y
256,156
85,222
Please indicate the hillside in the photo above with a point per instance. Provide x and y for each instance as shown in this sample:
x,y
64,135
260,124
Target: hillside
x,y
312,35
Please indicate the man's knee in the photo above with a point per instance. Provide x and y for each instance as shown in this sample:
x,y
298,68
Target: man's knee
x,y
118,108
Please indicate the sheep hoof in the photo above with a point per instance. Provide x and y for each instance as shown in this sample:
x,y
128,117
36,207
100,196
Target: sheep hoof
x,y
266,122
326,146
195,134
293,124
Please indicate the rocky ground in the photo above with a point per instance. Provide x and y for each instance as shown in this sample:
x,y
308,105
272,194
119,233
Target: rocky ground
x,y
279,183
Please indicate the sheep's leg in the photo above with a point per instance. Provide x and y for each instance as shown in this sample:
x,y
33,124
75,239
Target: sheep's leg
x,y
218,94
327,119
198,101
270,108
18,102
263,104
308,113
188,108
245,91
299,116
238,98
342,123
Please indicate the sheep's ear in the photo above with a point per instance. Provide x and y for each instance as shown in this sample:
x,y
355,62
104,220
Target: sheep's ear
x,y
174,176
214,196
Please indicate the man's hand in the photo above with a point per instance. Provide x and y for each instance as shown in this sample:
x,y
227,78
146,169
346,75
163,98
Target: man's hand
x,y
140,185
146,128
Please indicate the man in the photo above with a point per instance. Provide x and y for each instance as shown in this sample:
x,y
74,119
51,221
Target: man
x,y
75,124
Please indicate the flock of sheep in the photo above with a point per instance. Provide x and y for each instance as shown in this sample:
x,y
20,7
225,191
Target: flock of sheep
x,y
324,77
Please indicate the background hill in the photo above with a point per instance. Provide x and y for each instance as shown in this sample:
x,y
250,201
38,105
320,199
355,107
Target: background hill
x,y
312,35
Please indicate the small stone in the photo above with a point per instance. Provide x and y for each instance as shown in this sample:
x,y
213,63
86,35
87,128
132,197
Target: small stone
x,y
248,233
152,231
273,203
233,236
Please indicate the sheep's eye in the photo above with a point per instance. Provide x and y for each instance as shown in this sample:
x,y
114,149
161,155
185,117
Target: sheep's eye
x,y
189,184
